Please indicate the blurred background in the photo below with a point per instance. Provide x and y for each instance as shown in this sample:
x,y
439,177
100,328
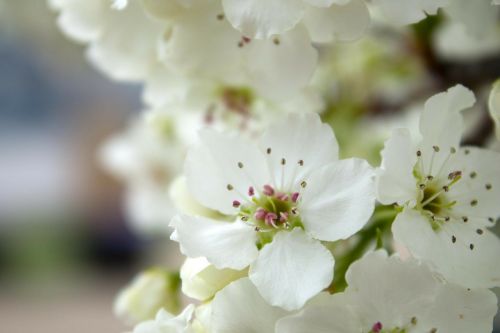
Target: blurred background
x,y
65,248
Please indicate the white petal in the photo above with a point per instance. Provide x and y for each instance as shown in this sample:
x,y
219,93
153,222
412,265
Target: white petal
x,y
441,124
280,67
122,51
224,244
240,308
300,137
455,261
292,269
200,43
480,184
338,199
395,181
325,3
459,310
167,323
333,316
338,22
404,12
403,289
81,20
494,106
478,17
201,280
213,166
261,19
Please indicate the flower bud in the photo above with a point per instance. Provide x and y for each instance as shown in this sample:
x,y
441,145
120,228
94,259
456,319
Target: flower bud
x,y
149,292
201,280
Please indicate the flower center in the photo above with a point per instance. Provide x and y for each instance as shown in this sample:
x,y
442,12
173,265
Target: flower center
x,y
270,210
433,187
378,327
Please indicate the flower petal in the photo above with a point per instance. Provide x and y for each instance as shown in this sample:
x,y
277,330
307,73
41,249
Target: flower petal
x,y
224,244
408,11
459,310
338,199
344,22
121,51
441,125
478,191
300,137
280,67
330,316
395,181
262,19
456,250
214,174
494,106
292,269
240,308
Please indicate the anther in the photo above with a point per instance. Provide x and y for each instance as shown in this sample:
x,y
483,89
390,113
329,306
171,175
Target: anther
x,y
301,162
490,219
414,320
295,197
447,218
240,165
236,203
268,190
473,203
453,239
479,231
282,196
240,44
454,175
466,151
276,41
446,188
260,214
422,186
465,219
471,246
453,150
229,187
488,186
268,150
246,40
429,177
419,153
220,17
377,327
251,191
294,210
473,174
436,148
433,330
303,184
244,218
283,161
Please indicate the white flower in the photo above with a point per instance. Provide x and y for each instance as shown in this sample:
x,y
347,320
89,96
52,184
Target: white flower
x,y
449,194
146,158
201,280
149,292
325,19
479,17
167,323
122,42
494,106
386,294
280,199
240,308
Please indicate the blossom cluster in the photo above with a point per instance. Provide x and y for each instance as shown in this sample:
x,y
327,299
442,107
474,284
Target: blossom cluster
x,y
281,232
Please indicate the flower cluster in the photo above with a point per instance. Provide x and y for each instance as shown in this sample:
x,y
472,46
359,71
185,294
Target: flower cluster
x,y
282,231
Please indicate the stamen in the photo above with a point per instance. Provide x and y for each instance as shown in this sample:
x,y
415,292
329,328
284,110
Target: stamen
x,y
220,17
301,162
295,197
453,239
377,327
276,41
229,187
488,186
268,151
465,219
414,320
473,203
479,231
303,184
268,190
260,214
251,191
240,165
282,196
236,203
473,174
471,246
283,216
283,161
270,218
